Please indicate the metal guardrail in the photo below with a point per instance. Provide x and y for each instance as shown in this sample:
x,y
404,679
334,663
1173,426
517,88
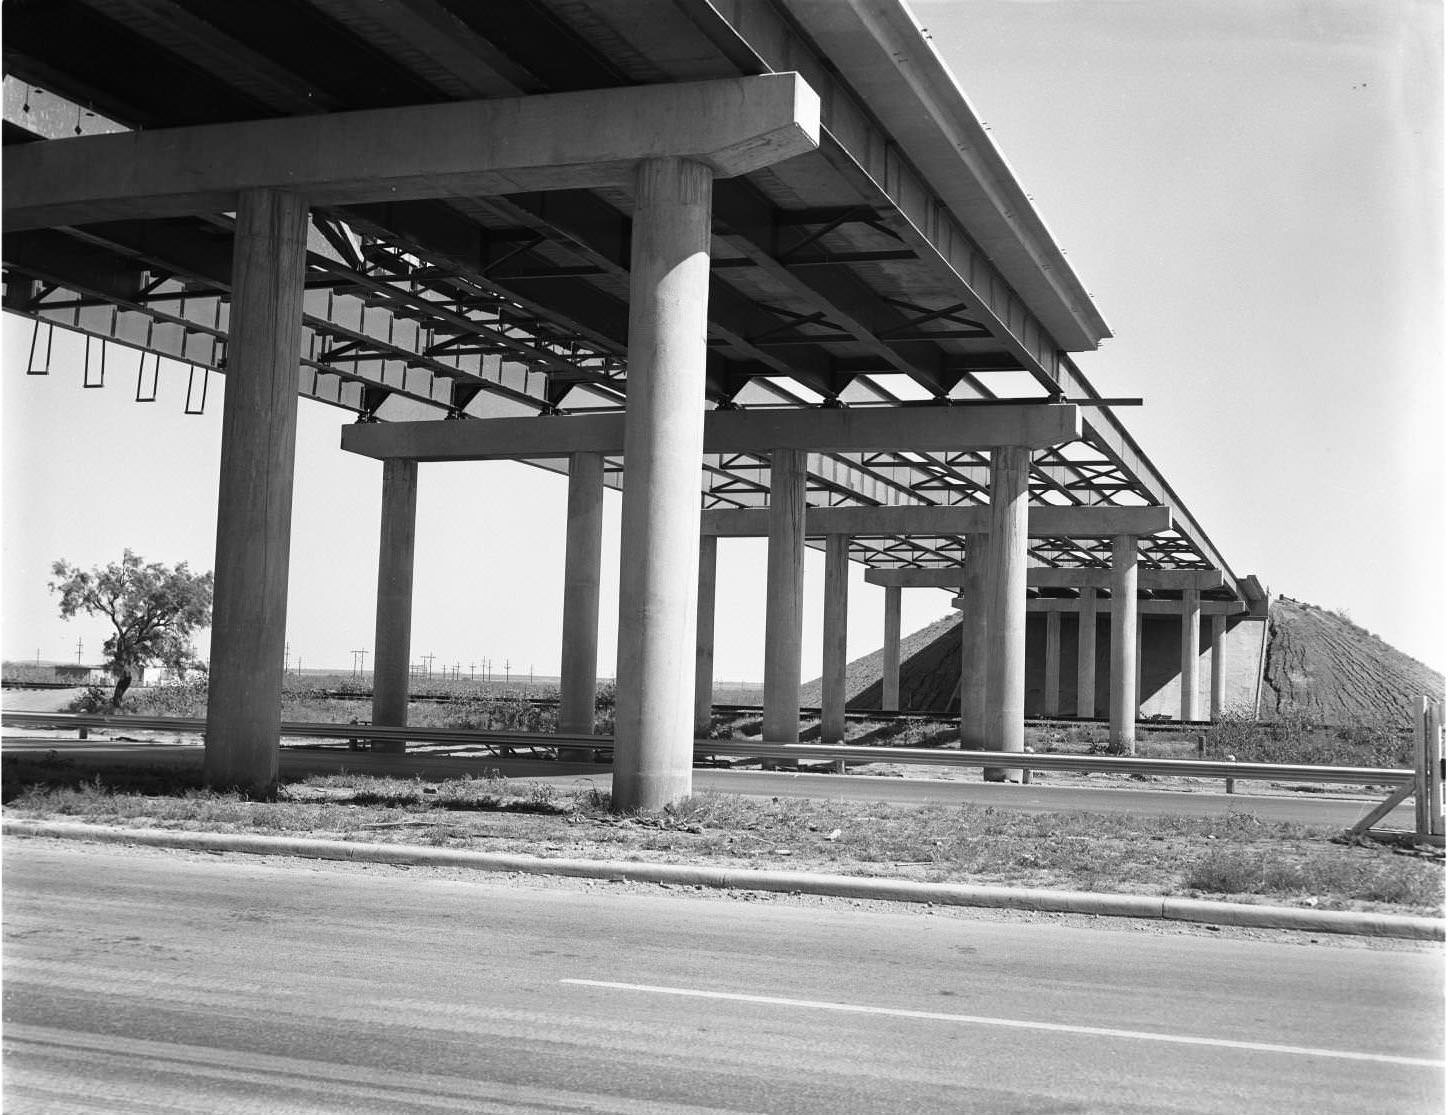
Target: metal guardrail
x,y
75,721
919,756
1013,760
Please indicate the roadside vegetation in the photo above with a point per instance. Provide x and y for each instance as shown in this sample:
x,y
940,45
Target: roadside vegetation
x,y
1239,858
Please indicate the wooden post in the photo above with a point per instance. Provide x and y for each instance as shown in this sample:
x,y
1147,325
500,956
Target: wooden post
x,y
1422,756
1434,769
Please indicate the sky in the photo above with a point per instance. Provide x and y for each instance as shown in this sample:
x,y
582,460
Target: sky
x,y
1251,190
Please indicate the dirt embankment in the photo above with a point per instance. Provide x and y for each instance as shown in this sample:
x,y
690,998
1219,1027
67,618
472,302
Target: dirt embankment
x,y
1321,665
920,655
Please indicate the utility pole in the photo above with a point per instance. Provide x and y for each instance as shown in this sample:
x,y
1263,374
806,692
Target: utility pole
x,y
471,667
507,670
287,657
79,649
428,659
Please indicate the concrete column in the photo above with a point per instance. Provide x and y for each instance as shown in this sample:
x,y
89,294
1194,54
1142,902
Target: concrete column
x,y
1086,655
836,625
704,642
1219,666
1005,580
890,668
663,448
973,651
1191,637
583,556
1051,696
392,643
1123,644
1140,659
784,596
254,513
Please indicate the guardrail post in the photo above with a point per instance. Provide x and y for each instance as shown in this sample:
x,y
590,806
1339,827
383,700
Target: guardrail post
x,y
1231,782
1427,767
1434,769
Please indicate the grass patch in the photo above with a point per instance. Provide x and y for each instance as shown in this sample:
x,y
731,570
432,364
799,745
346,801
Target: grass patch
x,y
1238,855
1357,875
1295,739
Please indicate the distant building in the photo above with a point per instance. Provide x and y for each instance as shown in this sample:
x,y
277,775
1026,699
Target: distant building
x,y
75,673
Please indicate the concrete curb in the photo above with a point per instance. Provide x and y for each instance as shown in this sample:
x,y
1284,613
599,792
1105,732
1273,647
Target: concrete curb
x,y
790,882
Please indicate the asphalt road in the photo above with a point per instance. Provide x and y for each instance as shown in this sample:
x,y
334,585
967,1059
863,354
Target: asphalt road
x,y
1337,808
149,980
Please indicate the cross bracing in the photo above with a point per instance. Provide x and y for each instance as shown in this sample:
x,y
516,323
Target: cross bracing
x,y
841,278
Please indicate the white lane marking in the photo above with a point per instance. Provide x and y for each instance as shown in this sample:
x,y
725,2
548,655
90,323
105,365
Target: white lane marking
x,y
1013,1023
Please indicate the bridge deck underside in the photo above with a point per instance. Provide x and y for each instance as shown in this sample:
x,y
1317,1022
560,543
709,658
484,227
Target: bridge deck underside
x,y
836,278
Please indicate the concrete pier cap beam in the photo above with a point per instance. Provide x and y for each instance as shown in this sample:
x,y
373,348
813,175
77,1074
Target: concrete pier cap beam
x,y
846,430
575,140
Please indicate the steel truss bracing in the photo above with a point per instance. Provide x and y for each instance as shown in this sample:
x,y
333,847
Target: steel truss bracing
x,y
840,278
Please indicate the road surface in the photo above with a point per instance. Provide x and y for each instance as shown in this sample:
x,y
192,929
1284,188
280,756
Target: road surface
x,y
150,980
1337,808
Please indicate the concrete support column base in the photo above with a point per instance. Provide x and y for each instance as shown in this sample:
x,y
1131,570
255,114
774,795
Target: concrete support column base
x,y
1005,561
1086,655
973,652
890,667
704,644
784,598
254,516
837,602
663,447
1123,645
392,642
578,681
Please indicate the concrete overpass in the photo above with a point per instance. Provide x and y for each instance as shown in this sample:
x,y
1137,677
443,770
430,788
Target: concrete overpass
x,y
776,230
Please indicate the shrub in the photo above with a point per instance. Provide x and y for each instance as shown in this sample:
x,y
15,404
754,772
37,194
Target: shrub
x,y
605,702
95,699
184,699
